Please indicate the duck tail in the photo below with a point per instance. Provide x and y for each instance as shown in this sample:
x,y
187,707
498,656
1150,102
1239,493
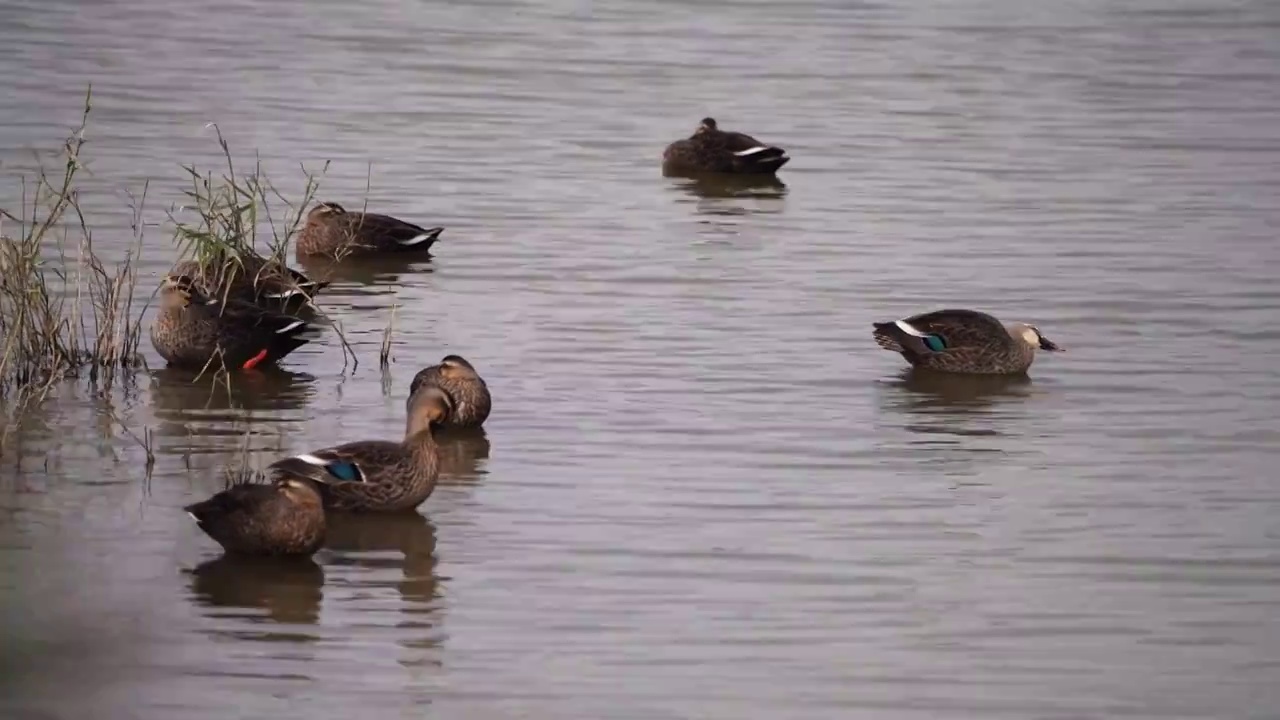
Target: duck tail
x,y
298,330
423,240
886,336
761,159
305,290
901,336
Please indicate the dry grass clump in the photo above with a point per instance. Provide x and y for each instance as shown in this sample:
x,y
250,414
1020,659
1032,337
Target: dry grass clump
x,y
68,318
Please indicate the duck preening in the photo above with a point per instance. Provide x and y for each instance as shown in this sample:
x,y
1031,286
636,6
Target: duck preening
x,y
712,150
252,278
963,341
378,475
252,518
196,331
464,386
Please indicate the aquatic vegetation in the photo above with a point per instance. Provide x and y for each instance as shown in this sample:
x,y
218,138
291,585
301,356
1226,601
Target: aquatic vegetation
x,y
64,311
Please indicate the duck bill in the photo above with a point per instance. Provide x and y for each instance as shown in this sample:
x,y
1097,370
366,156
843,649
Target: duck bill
x,y
1050,346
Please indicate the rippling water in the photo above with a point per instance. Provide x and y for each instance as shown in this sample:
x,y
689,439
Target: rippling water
x,y
704,492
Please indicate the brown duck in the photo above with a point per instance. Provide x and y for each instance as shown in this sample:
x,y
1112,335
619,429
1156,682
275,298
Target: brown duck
x,y
963,341
334,232
378,475
253,279
468,391
712,150
249,518
194,331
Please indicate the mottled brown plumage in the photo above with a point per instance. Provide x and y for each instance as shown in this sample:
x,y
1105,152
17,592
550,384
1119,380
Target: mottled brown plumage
x,y
192,330
280,518
465,387
332,231
378,475
963,341
712,150
253,279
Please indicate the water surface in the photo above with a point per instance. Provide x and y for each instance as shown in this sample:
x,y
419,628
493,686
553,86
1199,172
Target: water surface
x,y
705,492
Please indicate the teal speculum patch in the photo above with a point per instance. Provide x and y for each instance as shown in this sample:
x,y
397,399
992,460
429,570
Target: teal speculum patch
x,y
935,343
344,471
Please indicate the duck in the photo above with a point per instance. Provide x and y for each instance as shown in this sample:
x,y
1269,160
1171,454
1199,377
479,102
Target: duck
x,y
192,330
712,150
254,279
378,475
282,518
464,386
963,341
334,232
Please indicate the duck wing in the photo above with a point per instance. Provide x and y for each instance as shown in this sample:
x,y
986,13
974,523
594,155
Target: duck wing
x,y
394,231
352,462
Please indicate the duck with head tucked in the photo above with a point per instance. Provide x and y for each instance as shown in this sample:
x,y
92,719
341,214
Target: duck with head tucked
x,y
712,150
468,391
194,331
378,475
252,278
250,518
331,231
963,341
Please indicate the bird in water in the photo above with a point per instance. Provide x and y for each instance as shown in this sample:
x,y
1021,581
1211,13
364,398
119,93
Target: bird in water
x,y
712,150
468,391
963,341
332,231
253,279
378,475
194,331
253,518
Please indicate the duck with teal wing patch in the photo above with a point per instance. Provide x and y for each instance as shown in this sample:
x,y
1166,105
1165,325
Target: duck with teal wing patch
x,y
378,475
271,519
192,330
963,341
712,150
464,386
334,232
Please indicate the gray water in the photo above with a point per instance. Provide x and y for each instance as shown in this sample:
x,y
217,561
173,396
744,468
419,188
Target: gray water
x,y
706,493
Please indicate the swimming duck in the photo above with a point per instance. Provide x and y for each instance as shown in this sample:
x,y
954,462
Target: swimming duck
x,y
333,231
252,518
468,391
253,279
712,150
193,330
963,341
378,475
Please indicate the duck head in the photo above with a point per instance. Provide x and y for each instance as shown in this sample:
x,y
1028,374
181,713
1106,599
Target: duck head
x,y
428,407
180,291
455,366
707,125
298,491
1031,335
324,211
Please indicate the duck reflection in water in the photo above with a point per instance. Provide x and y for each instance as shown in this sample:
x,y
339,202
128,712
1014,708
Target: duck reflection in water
x,y
288,589
175,391
711,187
461,454
354,274
941,405
927,388
371,544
